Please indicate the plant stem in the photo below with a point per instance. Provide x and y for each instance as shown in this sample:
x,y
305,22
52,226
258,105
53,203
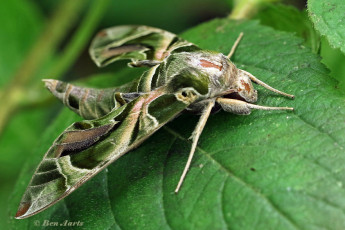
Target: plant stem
x,y
80,38
245,9
55,30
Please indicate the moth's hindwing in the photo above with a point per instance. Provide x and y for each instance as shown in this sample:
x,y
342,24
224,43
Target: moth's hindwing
x,y
136,43
87,147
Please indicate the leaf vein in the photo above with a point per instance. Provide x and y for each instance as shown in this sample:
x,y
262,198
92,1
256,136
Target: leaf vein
x,y
239,180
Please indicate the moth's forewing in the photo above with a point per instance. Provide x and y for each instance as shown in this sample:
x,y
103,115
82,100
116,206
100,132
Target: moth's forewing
x,y
87,147
91,103
135,43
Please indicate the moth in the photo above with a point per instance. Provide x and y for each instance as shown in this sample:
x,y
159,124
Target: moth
x,y
182,77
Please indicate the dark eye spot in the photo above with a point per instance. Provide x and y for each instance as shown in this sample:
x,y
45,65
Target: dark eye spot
x,y
184,94
61,87
82,125
73,101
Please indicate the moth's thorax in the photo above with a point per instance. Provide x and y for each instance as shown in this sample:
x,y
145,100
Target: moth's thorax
x,y
224,77
206,67
212,74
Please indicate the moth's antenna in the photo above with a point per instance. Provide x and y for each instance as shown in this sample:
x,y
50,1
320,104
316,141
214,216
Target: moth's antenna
x,y
195,136
254,79
233,48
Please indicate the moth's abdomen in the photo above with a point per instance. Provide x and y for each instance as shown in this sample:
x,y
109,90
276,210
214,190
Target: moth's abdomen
x,y
89,103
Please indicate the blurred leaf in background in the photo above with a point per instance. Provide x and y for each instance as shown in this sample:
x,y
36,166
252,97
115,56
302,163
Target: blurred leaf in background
x,y
15,41
334,59
21,26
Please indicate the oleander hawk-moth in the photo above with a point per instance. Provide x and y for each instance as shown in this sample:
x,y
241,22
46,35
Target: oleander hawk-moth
x,y
181,77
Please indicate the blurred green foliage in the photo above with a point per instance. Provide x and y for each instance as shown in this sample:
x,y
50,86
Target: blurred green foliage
x,y
20,27
24,22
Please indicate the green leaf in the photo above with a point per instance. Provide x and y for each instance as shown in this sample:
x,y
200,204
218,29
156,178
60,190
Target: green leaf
x,y
329,19
290,19
268,170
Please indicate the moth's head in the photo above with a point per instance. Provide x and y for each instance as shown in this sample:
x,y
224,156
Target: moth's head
x,y
237,82
243,88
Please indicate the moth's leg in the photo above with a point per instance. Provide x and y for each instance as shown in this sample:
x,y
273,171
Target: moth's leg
x,y
257,81
195,137
233,48
146,63
244,108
